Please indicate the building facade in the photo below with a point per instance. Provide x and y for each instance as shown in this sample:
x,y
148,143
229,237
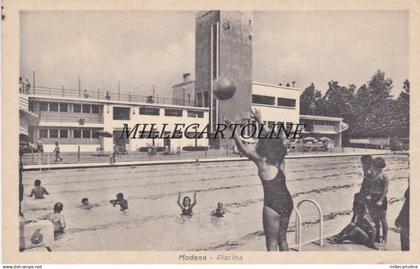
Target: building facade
x,y
321,127
79,122
183,93
277,104
224,48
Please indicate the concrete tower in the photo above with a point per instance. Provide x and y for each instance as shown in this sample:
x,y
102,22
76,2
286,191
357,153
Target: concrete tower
x,y
224,47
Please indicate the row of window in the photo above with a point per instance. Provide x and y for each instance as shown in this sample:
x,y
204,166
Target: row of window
x,y
323,122
270,100
272,123
320,122
66,107
67,133
203,100
123,113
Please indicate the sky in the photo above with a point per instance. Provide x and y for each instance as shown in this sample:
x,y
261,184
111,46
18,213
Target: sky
x,y
150,49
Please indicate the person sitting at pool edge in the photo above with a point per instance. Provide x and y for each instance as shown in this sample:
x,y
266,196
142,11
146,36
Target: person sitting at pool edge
x,y
38,192
219,211
120,201
186,205
361,230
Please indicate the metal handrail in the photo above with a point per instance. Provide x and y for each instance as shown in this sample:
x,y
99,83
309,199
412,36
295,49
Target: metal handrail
x,y
298,229
106,95
70,118
298,223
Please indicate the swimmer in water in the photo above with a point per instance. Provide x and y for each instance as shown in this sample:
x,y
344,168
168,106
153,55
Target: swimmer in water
x,y
268,155
57,218
186,205
38,192
219,211
120,201
86,204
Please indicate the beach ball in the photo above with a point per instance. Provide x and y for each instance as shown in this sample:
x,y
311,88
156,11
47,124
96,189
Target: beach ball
x,y
224,87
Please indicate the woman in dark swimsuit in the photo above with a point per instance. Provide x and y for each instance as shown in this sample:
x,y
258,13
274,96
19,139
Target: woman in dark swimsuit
x,y
268,155
186,205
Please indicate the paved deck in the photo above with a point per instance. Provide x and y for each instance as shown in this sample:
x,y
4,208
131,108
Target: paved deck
x,y
58,165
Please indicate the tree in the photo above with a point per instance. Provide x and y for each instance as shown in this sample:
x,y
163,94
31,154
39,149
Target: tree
x,y
339,100
380,86
309,100
370,111
403,111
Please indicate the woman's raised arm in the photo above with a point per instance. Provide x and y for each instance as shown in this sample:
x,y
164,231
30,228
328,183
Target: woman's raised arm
x,y
195,200
249,152
179,200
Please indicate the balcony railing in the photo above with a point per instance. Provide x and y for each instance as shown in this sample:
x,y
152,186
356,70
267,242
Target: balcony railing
x,y
70,119
106,95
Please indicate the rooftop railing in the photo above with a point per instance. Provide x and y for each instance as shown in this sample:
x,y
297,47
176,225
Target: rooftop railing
x,y
106,95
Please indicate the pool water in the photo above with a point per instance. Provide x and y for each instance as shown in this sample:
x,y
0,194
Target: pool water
x,y
153,220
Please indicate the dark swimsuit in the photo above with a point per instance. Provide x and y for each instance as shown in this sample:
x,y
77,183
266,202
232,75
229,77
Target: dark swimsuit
x,y
277,196
376,189
218,213
186,211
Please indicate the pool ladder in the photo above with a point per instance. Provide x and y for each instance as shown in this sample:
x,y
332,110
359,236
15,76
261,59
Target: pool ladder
x,y
298,224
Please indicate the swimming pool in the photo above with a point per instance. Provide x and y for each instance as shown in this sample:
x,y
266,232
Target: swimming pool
x,y
152,221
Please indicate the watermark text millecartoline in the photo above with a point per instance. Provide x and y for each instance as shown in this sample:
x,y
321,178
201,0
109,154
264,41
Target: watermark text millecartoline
x,y
221,130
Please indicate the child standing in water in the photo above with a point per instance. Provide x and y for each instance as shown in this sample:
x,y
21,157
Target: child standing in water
x,y
219,211
57,218
378,191
186,205
120,201
39,191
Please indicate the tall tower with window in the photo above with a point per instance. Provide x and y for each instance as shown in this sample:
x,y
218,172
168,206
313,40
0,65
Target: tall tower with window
x,y
224,47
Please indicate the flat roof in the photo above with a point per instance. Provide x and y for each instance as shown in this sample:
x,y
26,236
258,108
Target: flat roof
x,y
92,100
275,86
316,117
183,83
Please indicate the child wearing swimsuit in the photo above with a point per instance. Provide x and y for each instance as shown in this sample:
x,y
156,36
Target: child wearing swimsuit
x,y
186,206
38,192
219,211
120,201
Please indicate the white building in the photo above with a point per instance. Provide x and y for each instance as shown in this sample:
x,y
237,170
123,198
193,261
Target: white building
x,y
277,104
184,93
75,121
63,115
